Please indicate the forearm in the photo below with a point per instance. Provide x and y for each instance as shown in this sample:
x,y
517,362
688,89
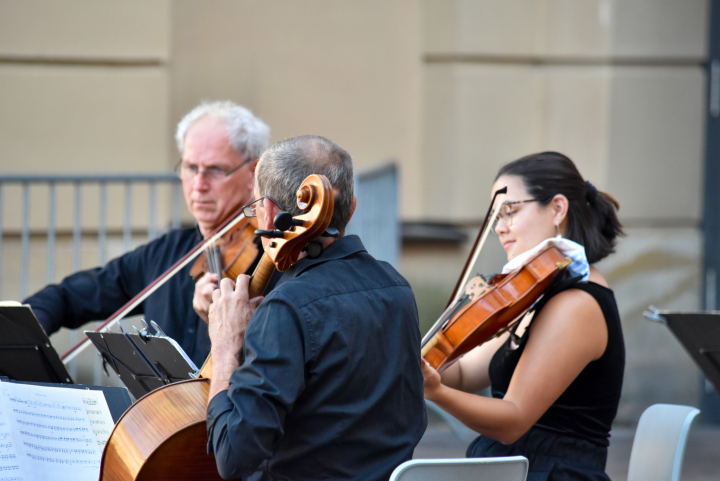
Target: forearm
x,y
496,418
224,364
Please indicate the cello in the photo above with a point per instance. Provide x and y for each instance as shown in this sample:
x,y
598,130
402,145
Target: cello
x,y
163,436
485,309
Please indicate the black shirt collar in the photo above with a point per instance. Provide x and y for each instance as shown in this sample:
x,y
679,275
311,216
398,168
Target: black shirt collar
x,y
343,247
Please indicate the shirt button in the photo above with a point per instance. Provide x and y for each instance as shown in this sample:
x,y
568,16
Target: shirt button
x,y
191,330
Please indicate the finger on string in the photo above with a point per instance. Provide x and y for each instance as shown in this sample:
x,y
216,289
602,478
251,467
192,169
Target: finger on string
x,y
226,284
242,283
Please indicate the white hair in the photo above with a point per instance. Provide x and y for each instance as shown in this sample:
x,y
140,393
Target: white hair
x,y
247,134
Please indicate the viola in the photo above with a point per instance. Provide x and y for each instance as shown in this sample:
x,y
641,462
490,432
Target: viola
x,y
231,255
238,251
486,309
163,436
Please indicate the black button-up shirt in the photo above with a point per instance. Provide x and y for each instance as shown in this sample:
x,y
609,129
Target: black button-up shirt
x,y
96,294
330,386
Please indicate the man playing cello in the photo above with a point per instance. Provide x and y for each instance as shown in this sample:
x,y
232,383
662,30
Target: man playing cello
x,y
320,379
220,144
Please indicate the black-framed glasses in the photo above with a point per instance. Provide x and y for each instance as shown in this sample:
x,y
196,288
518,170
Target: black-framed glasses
x,y
250,210
507,212
188,172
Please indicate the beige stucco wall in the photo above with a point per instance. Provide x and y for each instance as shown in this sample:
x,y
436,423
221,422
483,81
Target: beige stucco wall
x,y
450,89
616,85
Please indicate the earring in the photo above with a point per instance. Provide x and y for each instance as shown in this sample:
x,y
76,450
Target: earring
x,y
559,235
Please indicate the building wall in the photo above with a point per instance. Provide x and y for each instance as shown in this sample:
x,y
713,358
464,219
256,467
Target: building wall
x,y
450,89
616,85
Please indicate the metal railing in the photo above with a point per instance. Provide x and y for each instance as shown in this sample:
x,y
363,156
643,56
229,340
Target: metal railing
x,y
375,220
376,215
79,182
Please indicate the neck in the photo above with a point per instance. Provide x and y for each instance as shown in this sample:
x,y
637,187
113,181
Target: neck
x,y
324,241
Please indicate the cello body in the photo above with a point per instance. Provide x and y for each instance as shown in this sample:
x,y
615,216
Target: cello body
x,y
162,437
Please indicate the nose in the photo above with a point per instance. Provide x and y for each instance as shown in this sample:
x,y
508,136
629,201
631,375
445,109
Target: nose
x,y
200,182
500,226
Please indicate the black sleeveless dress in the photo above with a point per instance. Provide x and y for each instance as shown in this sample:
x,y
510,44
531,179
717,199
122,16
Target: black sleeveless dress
x,y
570,440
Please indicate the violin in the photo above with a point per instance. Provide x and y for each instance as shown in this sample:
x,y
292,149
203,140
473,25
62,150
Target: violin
x,y
163,436
486,309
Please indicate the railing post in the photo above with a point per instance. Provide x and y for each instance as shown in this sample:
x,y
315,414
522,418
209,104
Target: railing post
x,y
25,236
102,225
176,204
76,261
152,201
52,207
127,222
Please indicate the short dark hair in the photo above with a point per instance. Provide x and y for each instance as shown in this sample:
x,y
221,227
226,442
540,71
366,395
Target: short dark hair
x,y
285,164
592,215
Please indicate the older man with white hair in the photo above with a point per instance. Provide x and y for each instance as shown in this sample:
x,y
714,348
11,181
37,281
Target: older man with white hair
x,y
219,143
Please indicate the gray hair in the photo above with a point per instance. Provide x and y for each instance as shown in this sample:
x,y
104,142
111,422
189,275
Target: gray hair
x,y
285,165
247,134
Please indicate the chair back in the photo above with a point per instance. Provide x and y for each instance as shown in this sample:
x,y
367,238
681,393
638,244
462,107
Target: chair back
x,y
659,444
511,468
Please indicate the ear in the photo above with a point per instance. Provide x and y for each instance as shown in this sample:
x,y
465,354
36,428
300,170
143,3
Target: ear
x,y
252,166
352,207
559,205
270,210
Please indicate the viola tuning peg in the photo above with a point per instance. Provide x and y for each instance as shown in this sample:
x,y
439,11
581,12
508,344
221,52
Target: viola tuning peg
x,y
283,221
269,233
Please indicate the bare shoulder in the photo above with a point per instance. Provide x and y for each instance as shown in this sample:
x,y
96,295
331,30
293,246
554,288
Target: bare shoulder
x,y
573,314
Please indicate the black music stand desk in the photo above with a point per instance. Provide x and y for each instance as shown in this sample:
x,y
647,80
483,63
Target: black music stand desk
x,y
25,350
699,333
143,362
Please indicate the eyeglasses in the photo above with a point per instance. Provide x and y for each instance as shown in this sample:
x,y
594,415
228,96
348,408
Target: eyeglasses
x,y
507,211
188,172
250,210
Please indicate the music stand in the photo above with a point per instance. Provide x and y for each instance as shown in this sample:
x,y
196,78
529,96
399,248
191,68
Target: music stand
x,y
699,333
142,362
25,350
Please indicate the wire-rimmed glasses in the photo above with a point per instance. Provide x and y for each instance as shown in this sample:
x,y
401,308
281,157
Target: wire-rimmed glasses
x,y
507,212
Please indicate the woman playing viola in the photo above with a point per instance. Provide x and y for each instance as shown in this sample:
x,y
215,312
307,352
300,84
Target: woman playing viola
x,y
556,377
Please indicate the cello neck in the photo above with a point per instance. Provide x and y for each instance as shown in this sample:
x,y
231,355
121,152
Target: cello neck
x,y
261,276
258,283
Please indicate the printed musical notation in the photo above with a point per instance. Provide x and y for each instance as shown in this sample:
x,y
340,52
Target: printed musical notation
x,y
99,416
44,405
48,434
69,462
48,416
54,428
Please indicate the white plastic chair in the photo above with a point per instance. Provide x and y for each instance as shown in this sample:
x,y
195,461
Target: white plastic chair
x,y
659,444
510,468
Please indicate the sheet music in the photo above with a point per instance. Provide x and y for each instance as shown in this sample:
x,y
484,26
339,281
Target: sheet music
x,y
52,434
98,414
10,468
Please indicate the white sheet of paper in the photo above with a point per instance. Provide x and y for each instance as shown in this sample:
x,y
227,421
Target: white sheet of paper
x,y
10,468
53,433
99,415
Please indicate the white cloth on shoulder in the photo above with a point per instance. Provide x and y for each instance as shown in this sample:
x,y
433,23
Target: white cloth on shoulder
x,y
578,267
